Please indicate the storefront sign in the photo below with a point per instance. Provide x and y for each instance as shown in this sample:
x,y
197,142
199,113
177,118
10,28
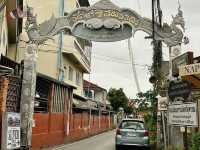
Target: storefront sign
x,y
12,131
189,69
162,103
183,115
179,90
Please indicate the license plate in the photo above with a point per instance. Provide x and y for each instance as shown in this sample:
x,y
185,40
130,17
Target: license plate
x,y
131,134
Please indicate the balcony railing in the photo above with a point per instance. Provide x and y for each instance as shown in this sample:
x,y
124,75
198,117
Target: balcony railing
x,y
84,47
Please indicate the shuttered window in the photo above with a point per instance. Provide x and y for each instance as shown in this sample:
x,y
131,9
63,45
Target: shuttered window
x,y
59,96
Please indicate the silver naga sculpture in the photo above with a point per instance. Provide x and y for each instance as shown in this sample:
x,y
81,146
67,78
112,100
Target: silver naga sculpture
x,y
104,22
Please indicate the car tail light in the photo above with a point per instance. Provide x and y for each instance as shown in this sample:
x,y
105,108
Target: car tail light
x,y
118,132
146,133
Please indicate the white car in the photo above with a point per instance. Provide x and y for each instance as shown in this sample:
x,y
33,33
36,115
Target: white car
x,y
132,132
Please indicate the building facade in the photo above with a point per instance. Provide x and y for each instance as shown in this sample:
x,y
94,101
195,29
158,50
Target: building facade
x,y
65,58
61,64
95,93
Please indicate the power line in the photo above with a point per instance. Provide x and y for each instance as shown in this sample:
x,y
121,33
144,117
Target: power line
x,y
97,54
121,62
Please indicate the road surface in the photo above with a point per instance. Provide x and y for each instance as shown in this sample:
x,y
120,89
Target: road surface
x,y
105,141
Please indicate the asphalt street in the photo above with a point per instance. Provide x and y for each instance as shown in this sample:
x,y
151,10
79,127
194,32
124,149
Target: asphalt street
x,y
105,141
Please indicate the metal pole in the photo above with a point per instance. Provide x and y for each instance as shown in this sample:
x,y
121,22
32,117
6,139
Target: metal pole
x,y
153,20
185,139
170,63
164,129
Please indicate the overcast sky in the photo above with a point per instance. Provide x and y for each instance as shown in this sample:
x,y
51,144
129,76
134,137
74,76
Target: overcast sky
x,y
110,61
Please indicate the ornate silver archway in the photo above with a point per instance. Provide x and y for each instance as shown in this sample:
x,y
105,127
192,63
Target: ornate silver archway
x,y
102,22
105,22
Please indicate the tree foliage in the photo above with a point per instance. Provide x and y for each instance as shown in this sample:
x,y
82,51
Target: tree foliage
x,y
147,102
128,110
195,142
117,99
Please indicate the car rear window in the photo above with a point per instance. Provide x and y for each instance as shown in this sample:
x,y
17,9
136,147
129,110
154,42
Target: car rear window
x,y
129,124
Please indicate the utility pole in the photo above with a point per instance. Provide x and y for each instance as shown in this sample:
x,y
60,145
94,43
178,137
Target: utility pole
x,y
28,95
157,58
28,90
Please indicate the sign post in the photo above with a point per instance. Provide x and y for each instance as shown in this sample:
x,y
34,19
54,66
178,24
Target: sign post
x,y
185,139
162,106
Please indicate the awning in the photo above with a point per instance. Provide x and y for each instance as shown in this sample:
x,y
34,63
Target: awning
x,y
79,97
80,104
191,73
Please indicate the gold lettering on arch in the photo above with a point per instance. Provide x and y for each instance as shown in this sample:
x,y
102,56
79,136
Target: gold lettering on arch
x,y
104,13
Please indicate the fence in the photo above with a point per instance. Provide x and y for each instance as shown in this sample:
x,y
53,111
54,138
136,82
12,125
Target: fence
x,y
50,128
10,87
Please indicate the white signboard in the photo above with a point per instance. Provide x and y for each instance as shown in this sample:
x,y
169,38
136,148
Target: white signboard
x,y
162,103
13,131
183,114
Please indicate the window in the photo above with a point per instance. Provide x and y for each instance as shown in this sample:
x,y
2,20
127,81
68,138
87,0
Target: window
x,y
129,124
78,78
70,73
89,94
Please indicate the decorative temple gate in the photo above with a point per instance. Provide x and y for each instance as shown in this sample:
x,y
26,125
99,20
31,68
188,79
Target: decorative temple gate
x,y
102,22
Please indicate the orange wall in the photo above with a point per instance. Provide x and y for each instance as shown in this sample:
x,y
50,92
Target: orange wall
x,y
49,129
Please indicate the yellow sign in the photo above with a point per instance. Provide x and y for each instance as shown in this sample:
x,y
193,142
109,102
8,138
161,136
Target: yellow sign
x,y
189,69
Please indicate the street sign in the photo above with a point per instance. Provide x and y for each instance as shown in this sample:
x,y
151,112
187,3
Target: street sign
x,y
162,103
179,90
183,115
11,131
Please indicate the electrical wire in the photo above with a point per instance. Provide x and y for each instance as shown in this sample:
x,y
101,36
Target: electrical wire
x,y
120,62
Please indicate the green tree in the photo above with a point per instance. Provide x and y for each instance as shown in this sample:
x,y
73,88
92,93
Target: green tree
x,y
117,98
147,102
128,110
